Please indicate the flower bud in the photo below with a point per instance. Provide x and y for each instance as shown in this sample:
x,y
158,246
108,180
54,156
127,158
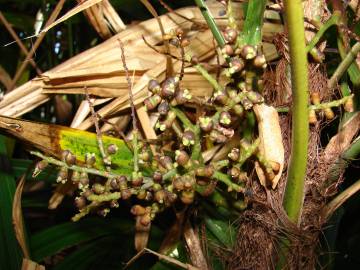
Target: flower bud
x,y
138,210
234,154
312,117
166,162
68,157
220,97
152,102
115,183
181,157
315,98
260,61
248,52
236,65
80,202
145,220
230,35
329,114
205,123
112,149
160,196
75,177
187,196
62,175
163,108
98,188
234,172
178,183
169,87
217,137
349,105
114,204
238,110
157,177
254,97
225,118
227,50
39,167
154,86
103,212
188,138
90,159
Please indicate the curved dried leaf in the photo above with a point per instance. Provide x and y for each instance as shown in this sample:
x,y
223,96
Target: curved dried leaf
x,y
271,145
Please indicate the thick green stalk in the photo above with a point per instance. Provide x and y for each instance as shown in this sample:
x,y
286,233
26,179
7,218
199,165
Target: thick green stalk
x,y
294,192
252,30
211,22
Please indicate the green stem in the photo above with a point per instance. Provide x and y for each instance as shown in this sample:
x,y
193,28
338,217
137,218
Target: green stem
x,y
252,30
226,179
294,192
208,77
334,20
344,65
211,22
59,163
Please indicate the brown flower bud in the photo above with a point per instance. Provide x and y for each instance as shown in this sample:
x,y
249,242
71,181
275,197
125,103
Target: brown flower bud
x,y
329,114
315,98
157,177
312,117
80,202
142,194
126,194
98,188
234,154
41,165
217,137
163,108
236,65
154,86
166,162
248,52
225,118
230,35
138,210
205,123
112,149
62,175
68,157
234,172
238,110
349,105
115,183
178,183
75,177
160,196
260,61
90,159
187,196
152,102
169,87
254,97
220,97
181,157
227,50
188,138
145,220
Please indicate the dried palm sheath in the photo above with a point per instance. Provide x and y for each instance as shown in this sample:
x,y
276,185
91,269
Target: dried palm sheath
x,y
101,71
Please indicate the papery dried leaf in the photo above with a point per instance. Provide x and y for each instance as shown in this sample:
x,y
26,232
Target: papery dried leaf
x,y
31,265
271,144
17,218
